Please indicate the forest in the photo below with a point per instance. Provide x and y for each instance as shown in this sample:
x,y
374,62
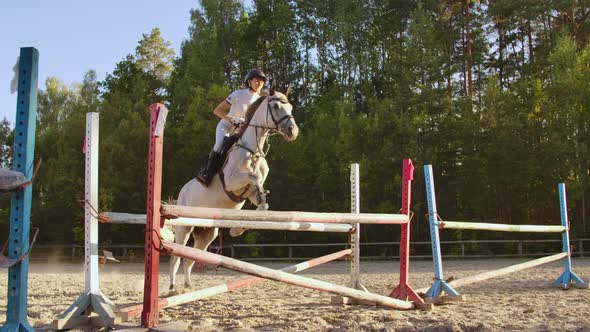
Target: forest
x,y
495,94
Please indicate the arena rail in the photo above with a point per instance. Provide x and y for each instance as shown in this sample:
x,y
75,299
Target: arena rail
x,y
440,286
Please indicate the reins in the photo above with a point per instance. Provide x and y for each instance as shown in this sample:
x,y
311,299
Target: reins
x,y
260,150
256,155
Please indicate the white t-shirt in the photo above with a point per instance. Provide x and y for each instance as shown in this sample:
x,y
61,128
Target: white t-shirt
x,y
240,100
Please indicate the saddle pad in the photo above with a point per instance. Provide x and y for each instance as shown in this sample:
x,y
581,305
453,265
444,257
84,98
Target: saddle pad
x,y
10,180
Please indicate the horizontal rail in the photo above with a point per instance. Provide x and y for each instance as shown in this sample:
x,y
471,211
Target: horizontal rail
x,y
123,218
172,211
207,258
139,219
501,227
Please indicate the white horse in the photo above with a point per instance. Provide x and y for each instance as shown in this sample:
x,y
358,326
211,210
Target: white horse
x,y
241,177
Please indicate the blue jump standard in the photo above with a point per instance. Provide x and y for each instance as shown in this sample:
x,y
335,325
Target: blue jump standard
x,y
440,285
568,278
20,212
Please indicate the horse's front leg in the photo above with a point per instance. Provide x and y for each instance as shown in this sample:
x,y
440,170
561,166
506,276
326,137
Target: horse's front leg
x,y
254,178
258,196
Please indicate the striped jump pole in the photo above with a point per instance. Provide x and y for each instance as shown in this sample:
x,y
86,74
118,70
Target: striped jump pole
x,y
20,203
172,211
276,275
139,219
171,301
440,285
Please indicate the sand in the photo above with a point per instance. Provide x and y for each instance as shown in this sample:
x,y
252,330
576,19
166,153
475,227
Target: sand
x,y
523,301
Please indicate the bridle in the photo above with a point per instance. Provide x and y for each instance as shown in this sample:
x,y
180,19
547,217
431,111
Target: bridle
x,y
269,111
238,198
276,128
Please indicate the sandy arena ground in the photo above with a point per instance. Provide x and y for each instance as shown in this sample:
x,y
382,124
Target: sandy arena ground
x,y
523,301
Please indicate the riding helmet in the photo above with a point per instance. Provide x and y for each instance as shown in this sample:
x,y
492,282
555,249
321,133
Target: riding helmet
x,y
255,73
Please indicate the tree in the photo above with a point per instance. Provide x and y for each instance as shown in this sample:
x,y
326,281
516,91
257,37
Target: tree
x,y
155,57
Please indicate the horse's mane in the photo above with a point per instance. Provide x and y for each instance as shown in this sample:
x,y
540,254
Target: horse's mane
x,y
250,113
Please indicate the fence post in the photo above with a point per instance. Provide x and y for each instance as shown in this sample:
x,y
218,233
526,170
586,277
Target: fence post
x,y
581,248
520,249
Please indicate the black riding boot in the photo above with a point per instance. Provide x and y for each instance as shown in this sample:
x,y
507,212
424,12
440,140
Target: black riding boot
x,y
213,165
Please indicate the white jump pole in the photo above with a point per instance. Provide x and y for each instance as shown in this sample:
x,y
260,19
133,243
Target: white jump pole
x,y
503,271
208,258
92,299
172,211
355,235
139,219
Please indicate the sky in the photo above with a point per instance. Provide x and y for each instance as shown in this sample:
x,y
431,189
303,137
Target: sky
x,y
73,37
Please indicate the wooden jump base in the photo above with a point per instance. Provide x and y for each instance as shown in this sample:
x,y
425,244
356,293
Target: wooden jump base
x,y
157,213
20,203
171,301
440,285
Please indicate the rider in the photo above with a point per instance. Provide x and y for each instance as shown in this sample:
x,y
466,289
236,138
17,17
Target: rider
x,y
237,103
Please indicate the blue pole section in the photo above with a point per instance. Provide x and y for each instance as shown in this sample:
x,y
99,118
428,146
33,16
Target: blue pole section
x,y
568,277
20,212
439,285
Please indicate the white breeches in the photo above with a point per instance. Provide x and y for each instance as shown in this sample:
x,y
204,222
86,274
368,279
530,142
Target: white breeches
x,y
224,129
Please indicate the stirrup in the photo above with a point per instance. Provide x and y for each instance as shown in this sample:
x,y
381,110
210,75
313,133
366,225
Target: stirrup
x,y
6,262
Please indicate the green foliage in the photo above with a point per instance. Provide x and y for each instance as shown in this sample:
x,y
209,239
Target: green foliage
x,y
373,82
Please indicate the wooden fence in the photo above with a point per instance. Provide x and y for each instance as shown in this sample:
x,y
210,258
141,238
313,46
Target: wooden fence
x,y
297,251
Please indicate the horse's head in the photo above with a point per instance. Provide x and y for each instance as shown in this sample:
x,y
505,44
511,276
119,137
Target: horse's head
x,y
281,114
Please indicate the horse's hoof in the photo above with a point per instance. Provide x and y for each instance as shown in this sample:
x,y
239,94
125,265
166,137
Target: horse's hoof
x,y
262,207
233,232
187,286
172,291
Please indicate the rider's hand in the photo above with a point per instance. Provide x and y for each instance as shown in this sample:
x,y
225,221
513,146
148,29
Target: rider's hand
x,y
236,121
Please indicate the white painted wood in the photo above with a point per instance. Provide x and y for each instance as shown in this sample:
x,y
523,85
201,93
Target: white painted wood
x,y
92,307
91,196
296,216
501,227
277,275
355,207
139,219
